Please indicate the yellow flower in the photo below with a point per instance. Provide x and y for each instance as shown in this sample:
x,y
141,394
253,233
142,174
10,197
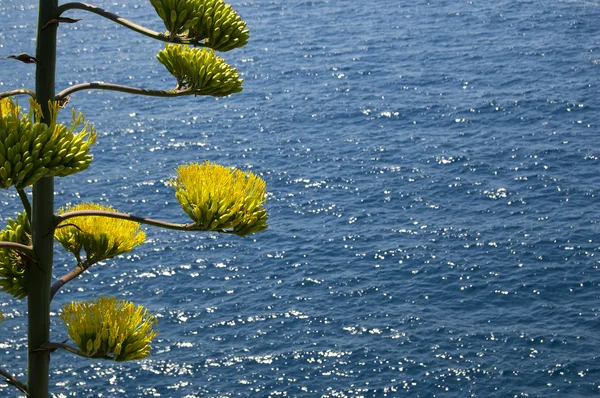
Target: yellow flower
x,y
100,237
219,198
110,328
7,105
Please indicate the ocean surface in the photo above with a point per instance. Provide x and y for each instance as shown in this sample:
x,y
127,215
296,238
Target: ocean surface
x,y
433,178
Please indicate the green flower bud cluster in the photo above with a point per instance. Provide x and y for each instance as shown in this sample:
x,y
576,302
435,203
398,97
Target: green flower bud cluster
x,y
219,198
212,21
13,265
200,70
30,151
178,15
110,328
220,26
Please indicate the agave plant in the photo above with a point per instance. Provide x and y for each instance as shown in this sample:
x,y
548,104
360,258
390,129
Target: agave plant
x,y
35,148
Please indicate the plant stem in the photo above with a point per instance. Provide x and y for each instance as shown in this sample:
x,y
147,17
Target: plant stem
x,y
51,346
25,201
21,91
66,279
126,23
111,214
143,220
10,379
27,250
38,299
124,89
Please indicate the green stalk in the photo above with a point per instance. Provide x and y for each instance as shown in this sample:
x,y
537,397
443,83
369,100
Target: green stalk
x,y
21,91
126,23
124,89
38,360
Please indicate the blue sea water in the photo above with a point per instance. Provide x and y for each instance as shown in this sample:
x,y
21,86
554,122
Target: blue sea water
x,y
433,181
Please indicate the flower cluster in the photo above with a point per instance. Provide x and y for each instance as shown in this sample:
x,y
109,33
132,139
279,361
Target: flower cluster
x,y
8,106
200,70
13,265
100,237
219,198
30,150
110,328
212,21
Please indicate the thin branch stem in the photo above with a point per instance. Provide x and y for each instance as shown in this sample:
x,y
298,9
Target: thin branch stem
x,y
126,23
111,214
25,201
66,279
124,216
10,379
52,346
21,91
124,89
26,250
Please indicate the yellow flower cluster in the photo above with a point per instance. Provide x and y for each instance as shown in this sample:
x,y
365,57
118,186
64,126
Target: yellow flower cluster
x,y
219,198
100,237
110,328
8,106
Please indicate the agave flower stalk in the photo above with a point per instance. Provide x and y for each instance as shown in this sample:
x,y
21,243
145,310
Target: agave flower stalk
x,y
10,379
64,94
39,276
119,20
198,72
21,91
35,148
26,250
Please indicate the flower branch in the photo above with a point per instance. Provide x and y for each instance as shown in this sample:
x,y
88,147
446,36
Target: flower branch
x,y
10,379
21,91
52,346
26,250
142,220
25,201
66,278
124,22
124,89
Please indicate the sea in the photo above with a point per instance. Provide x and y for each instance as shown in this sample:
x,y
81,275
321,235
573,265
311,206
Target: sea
x,y
432,170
